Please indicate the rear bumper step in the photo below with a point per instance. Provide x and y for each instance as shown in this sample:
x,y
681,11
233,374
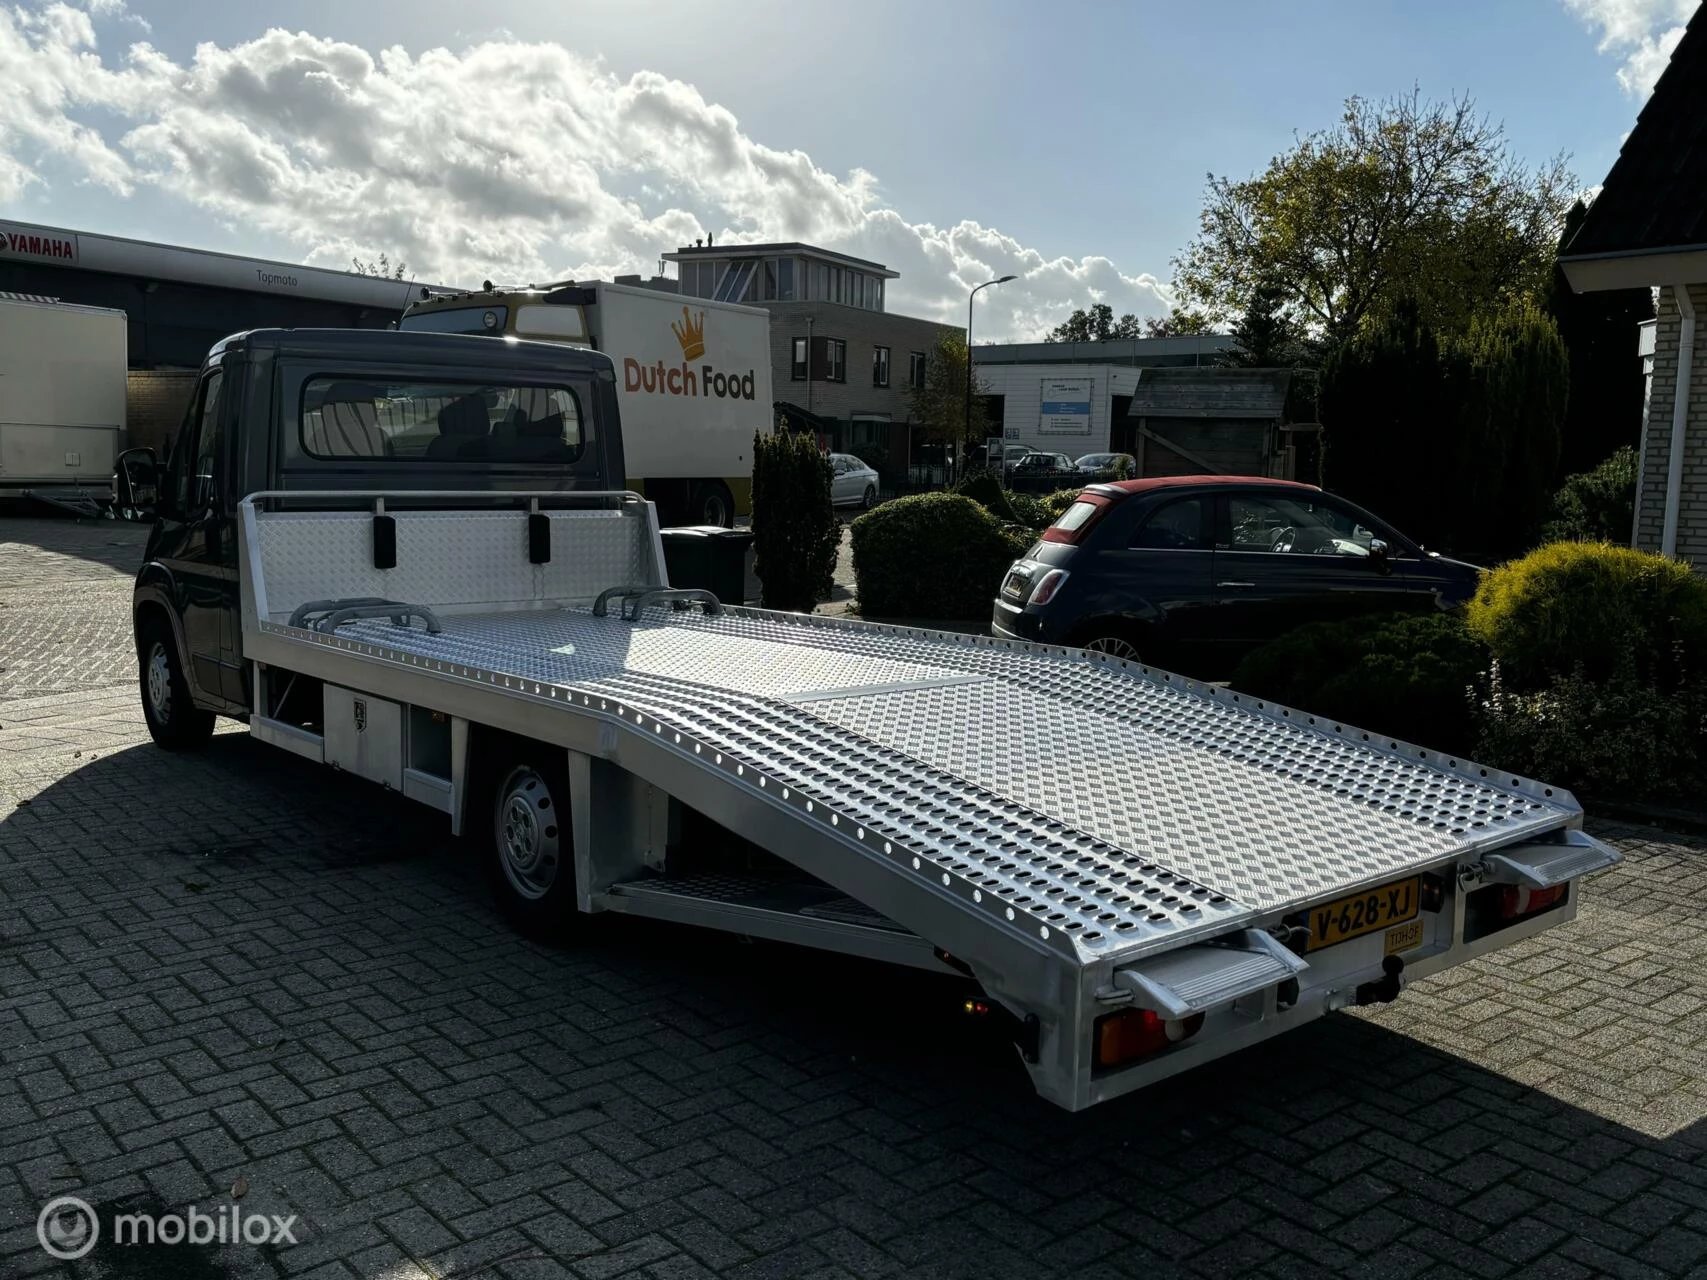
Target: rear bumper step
x,y
1543,865
1195,979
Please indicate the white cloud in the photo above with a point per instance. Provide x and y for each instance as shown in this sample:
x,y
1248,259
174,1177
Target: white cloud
x,y
1642,32
506,160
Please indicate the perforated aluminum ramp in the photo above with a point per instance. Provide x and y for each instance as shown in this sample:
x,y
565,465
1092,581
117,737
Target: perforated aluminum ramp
x,y
1086,804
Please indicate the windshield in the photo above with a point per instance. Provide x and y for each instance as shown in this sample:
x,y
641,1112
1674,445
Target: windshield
x,y
343,418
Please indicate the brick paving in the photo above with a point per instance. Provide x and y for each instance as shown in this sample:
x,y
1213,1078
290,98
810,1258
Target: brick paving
x,y
235,965
65,603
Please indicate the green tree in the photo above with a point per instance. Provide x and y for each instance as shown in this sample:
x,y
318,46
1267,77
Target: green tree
x,y
382,268
939,407
1599,331
1266,336
1380,406
1405,198
1178,323
1520,377
1452,438
795,531
1095,325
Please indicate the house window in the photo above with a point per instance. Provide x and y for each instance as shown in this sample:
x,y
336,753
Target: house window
x,y
785,279
880,366
797,366
835,360
916,370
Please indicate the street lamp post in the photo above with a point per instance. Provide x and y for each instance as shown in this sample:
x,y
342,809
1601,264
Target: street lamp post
x,y
966,425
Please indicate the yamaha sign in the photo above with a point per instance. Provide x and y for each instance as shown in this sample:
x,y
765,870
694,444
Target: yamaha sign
x,y
36,245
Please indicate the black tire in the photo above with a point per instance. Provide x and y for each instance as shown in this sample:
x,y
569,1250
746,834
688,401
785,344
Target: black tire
x,y
174,722
712,503
870,499
526,839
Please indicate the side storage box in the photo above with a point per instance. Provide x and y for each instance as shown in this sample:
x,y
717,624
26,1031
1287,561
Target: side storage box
x,y
364,736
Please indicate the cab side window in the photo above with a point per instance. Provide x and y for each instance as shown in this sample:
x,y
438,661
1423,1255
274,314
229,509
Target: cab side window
x,y
209,432
195,449
1176,527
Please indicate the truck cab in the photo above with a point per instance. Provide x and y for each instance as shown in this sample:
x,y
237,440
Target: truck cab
x,y
325,411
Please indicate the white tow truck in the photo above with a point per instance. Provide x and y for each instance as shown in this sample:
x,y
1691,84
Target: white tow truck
x,y
1143,873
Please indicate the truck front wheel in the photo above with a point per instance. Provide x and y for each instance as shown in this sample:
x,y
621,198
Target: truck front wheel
x,y
174,721
530,843
712,503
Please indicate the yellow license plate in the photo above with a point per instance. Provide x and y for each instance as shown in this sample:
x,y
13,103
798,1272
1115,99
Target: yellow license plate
x,y
1360,913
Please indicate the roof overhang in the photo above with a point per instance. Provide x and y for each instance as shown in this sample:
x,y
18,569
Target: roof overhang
x,y
1640,270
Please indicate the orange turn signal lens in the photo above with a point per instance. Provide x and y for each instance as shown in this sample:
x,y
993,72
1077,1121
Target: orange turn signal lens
x,y
1131,1034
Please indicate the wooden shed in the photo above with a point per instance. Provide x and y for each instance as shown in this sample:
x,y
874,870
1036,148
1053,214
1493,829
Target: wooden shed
x,y
1209,421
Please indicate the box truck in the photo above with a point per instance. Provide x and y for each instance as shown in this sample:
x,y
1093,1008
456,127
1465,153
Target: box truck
x,y
693,378
62,401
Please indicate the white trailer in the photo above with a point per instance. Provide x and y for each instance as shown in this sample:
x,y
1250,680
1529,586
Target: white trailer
x,y
693,378
1143,872
62,400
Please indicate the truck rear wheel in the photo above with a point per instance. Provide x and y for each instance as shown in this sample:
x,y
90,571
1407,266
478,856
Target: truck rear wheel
x,y
712,503
174,722
529,842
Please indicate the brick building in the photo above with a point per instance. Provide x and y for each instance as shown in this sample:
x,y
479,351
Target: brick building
x,y
841,363
1648,227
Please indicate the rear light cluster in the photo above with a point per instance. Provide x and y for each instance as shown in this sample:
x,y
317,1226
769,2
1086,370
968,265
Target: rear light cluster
x,y
1131,1034
1499,906
1517,901
1047,586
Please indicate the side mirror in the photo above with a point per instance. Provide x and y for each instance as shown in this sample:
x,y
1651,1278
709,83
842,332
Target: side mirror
x,y
136,484
1380,556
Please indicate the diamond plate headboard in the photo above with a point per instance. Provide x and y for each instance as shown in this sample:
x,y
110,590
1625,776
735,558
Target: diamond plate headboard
x,y
452,561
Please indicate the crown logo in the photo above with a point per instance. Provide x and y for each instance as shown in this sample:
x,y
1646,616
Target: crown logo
x,y
691,334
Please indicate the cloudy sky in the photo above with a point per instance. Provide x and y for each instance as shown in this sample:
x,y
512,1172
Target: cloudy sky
x,y
1065,142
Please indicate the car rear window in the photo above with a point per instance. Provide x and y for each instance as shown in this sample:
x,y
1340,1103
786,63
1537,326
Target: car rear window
x,y
1076,516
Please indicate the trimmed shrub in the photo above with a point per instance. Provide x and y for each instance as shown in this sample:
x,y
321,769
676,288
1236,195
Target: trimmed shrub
x,y
1613,739
1409,676
795,531
932,555
1597,505
984,489
1572,607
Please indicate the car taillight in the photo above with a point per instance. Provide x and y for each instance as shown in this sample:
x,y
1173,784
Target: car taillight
x,y
1517,901
1131,1034
1047,586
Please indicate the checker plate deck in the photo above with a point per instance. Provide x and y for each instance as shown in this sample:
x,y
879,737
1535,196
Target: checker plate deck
x,y
1097,805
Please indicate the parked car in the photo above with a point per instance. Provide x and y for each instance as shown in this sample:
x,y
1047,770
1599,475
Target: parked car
x,y
1011,454
852,482
1193,572
1042,463
1123,464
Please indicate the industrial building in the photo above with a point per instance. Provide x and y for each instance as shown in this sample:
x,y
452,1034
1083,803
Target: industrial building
x,y
180,301
842,364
